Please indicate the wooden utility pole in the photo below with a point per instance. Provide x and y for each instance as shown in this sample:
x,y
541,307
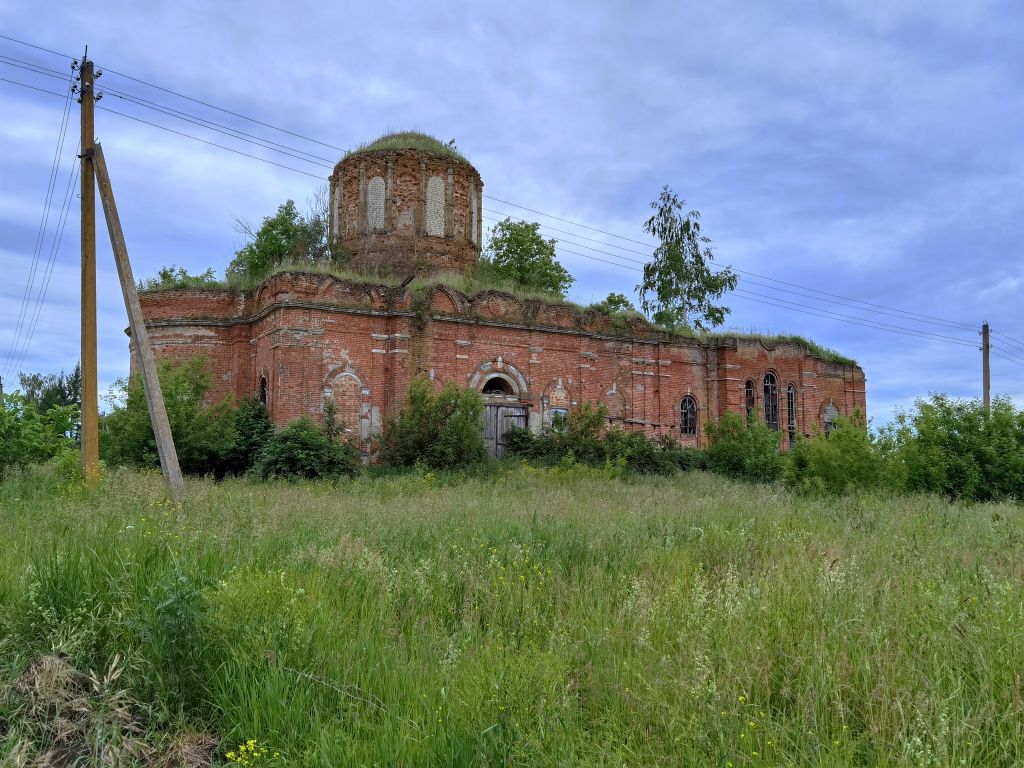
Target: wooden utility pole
x,y
90,394
986,380
140,337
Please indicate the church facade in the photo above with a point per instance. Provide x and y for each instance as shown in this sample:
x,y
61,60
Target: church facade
x,y
302,338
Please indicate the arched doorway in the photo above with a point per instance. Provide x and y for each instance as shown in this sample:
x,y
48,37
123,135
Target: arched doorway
x,y
503,409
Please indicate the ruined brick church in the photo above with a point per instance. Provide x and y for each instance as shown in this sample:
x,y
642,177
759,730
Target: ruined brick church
x,y
300,338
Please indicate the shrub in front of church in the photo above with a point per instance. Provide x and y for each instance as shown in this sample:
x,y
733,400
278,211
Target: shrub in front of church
x,y
582,438
303,450
204,435
846,460
744,450
253,430
439,429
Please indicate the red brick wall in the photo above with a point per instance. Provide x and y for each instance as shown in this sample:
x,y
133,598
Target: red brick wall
x,y
312,336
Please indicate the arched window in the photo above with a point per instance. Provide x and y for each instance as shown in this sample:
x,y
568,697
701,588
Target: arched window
x,y
771,400
375,204
748,392
263,390
791,413
829,416
435,207
688,416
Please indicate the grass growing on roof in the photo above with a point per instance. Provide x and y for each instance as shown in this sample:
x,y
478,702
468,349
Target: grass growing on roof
x,y
773,339
526,617
397,140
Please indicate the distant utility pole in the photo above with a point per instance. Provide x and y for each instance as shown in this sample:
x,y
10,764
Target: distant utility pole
x,y
986,379
90,394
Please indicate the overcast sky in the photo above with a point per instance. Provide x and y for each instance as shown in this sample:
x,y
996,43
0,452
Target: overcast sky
x,y
872,150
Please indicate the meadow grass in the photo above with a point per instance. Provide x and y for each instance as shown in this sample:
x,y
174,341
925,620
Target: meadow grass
x,y
524,617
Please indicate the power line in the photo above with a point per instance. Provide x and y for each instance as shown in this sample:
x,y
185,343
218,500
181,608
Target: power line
x,y
190,118
1015,361
37,47
1006,354
895,312
7,61
225,111
827,314
1012,341
220,128
851,303
211,143
32,87
55,248
41,233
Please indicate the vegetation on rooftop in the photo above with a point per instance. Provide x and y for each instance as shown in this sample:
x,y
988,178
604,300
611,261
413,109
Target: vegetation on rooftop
x,y
423,142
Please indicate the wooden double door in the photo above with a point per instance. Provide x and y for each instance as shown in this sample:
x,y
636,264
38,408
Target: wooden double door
x,y
498,419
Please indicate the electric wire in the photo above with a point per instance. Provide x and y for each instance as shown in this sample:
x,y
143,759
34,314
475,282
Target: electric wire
x,y
41,233
851,303
54,250
207,124
1009,339
489,197
7,61
905,314
1008,359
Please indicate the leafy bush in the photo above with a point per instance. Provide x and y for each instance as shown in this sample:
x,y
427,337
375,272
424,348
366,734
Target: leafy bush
x,y
173,278
204,435
582,438
302,449
844,460
30,436
742,450
438,429
253,430
956,448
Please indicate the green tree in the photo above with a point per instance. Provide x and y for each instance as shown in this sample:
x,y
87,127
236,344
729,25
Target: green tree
x,y
30,436
204,435
679,287
744,449
55,389
518,252
285,238
846,459
618,302
439,429
303,450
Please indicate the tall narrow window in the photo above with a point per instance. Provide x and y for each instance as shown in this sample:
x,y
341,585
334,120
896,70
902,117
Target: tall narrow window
x,y
829,416
771,401
375,204
435,207
749,395
263,390
688,416
791,413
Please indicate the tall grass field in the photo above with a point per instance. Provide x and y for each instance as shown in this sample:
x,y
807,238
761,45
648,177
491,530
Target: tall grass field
x,y
562,617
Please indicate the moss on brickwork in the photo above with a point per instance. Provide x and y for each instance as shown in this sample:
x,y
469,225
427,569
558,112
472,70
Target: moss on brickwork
x,y
472,285
772,340
416,140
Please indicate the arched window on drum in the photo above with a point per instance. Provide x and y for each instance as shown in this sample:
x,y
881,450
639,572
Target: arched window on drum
x,y
688,416
748,397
